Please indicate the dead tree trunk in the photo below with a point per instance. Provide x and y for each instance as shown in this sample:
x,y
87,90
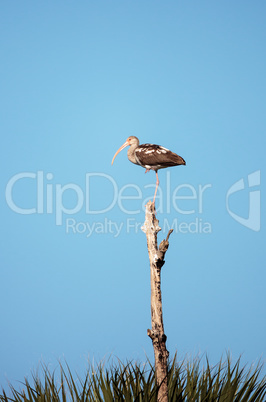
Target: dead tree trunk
x,y
157,335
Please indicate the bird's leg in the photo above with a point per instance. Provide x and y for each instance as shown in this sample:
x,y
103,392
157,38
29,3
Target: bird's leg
x,y
157,184
147,170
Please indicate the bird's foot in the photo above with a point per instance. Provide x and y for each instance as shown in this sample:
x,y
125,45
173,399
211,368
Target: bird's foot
x,y
147,170
153,202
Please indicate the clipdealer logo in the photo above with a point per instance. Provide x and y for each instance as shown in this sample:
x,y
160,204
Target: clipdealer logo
x,y
185,199
253,220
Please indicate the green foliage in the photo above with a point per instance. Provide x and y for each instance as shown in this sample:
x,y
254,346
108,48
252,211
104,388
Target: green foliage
x,y
135,382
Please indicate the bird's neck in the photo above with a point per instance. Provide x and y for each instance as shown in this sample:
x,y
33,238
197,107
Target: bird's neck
x,y
131,153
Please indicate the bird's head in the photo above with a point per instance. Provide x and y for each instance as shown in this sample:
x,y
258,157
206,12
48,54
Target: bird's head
x,y
130,141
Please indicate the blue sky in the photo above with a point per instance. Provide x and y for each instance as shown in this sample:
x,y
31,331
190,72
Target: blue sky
x,y
77,79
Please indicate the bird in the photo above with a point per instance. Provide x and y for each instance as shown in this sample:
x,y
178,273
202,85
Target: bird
x,y
150,157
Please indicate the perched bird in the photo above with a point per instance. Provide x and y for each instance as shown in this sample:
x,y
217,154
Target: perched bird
x,y
150,156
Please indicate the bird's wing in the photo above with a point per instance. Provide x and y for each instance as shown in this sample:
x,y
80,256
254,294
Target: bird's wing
x,y
155,155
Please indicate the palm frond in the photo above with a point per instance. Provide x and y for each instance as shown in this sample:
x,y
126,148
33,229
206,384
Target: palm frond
x,y
188,380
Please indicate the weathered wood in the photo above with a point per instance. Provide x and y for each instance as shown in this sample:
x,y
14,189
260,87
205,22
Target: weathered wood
x,y
157,335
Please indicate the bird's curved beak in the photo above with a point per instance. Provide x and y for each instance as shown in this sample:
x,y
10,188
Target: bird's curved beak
x,y
120,149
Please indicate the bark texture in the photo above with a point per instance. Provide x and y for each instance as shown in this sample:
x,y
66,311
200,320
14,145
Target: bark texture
x,y
157,335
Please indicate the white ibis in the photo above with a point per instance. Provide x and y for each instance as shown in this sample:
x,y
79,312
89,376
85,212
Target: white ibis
x,y
150,156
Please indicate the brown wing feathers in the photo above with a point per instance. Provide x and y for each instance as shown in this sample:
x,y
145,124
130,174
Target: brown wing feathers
x,y
155,155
